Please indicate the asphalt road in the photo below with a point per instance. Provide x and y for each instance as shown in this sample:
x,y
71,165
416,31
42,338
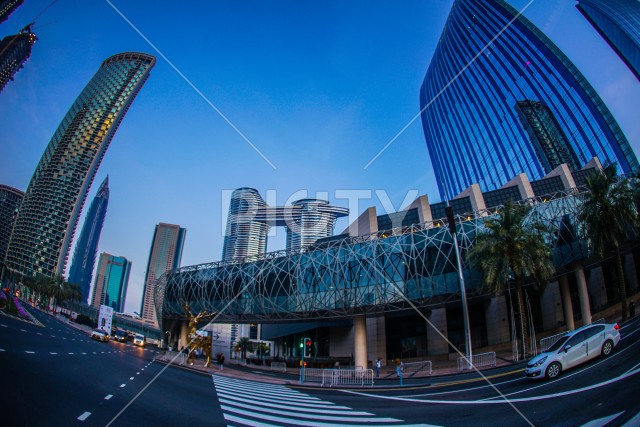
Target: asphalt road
x,y
54,375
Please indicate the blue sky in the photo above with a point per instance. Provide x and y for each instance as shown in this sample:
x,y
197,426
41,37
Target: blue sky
x,y
319,88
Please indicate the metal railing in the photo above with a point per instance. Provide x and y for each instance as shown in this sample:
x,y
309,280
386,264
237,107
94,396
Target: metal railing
x,y
338,377
347,377
413,368
547,342
279,366
481,360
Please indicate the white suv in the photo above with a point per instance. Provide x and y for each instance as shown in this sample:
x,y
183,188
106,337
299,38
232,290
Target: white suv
x,y
573,349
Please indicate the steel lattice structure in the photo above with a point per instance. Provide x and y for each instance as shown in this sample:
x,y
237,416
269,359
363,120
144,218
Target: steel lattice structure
x,y
411,267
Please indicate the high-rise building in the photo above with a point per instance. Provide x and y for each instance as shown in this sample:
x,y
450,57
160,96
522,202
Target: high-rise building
x,y
14,52
250,218
618,22
53,201
245,236
165,255
112,280
7,7
84,257
488,58
10,199
545,133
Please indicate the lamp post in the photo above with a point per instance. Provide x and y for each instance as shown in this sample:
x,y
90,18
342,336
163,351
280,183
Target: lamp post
x,y
463,293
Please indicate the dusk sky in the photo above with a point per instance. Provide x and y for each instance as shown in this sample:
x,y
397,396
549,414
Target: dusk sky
x,y
318,87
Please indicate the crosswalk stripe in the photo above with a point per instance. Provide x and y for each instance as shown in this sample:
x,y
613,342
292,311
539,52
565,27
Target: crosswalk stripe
x,y
284,406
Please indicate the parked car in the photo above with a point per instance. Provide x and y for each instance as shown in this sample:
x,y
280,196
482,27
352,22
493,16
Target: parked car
x,y
573,349
120,335
138,340
100,335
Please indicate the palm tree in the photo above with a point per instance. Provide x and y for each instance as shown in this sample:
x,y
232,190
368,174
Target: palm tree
x,y
608,215
510,253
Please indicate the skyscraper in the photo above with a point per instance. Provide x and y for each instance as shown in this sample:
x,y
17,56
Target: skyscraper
x,y
14,52
488,59
165,255
244,235
7,7
618,22
53,201
112,279
84,257
10,199
250,219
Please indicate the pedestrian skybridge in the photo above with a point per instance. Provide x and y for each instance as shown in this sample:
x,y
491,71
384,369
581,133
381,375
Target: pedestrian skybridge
x,y
408,267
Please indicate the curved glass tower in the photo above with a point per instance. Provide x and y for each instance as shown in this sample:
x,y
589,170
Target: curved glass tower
x,y
47,219
244,235
618,22
84,257
491,66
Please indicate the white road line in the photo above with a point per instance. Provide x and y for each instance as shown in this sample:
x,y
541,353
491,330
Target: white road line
x,y
53,336
137,373
633,422
230,401
39,333
131,379
83,352
70,353
22,330
84,416
29,352
601,422
292,401
343,418
51,352
3,325
108,396
122,385
2,349
283,393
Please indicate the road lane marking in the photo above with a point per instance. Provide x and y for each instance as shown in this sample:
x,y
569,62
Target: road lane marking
x,y
51,352
601,422
3,325
2,349
39,333
70,353
137,373
122,385
131,379
84,416
23,330
108,396
84,353
29,352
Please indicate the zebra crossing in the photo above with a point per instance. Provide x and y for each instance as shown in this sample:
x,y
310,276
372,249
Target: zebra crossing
x,y
251,403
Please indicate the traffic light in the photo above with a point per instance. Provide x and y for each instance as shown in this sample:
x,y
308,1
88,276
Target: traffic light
x,y
307,347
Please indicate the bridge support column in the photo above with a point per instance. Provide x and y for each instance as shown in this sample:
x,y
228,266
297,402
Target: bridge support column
x,y
584,295
184,334
566,302
435,343
360,340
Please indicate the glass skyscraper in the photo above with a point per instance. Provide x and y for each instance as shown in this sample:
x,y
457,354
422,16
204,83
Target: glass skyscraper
x,y
84,257
488,59
112,279
10,199
7,7
55,196
165,255
244,235
14,52
618,22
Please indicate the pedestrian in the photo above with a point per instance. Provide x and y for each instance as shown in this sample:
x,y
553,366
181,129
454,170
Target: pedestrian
x,y
378,366
399,367
221,362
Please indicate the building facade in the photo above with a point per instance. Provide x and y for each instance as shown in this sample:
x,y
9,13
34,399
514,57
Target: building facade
x,y
84,257
112,280
7,7
165,255
14,52
52,204
250,219
618,22
10,200
489,59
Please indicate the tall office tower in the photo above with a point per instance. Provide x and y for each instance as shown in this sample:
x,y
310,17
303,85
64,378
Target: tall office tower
x,y
53,201
14,52
112,279
165,255
10,199
308,220
244,236
7,7
618,22
545,133
84,257
488,58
